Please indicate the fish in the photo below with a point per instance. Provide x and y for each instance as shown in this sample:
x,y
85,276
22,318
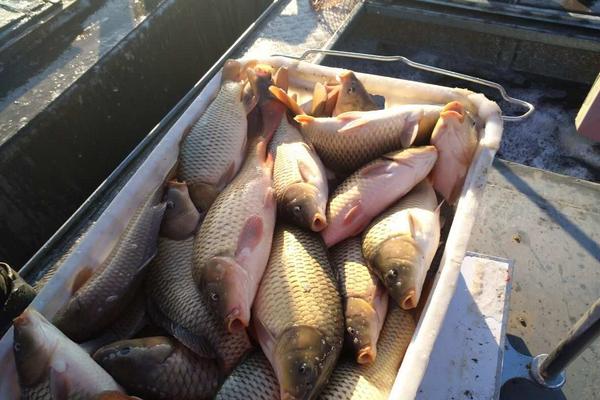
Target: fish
x,y
353,96
351,139
232,246
374,187
400,244
113,395
455,137
51,366
299,179
101,294
175,304
213,150
352,381
252,379
323,100
297,313
130,321
181,216
365,299
160,368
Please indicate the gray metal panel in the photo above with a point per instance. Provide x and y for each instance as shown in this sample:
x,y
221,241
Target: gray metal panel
x,y
549,224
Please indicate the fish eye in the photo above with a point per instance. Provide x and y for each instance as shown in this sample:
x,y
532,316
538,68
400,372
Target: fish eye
x,y
17,346
302,368
124,351
214,296
170,204
296,210
391,275
351,330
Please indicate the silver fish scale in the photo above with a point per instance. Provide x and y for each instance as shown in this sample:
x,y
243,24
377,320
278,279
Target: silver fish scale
x,y
182,375
387,225
299,287
43,391
216,139
244,197
351,189
355,279
131,320
170,287
253,379
100,300
351,381
286,147
346,152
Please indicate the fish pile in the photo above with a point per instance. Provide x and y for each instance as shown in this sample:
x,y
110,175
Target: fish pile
x,y
280,261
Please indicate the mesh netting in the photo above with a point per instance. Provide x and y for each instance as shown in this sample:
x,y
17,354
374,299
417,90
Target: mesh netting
x,y
332,13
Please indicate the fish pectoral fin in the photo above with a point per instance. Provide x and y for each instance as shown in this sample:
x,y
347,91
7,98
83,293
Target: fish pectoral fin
x,y
306,172
376,169
409,133
251,235
281,78
264,336
59,384
319,100
332,97
356,119
250,102
353,214
303,119
284,98
81,278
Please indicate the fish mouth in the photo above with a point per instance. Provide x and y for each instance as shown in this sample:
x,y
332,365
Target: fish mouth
x,y
319,223
409,301
234,322
366,355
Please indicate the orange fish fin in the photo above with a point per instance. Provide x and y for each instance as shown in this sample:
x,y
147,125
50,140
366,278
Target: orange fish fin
x,y
251,235
284,98
319,100
332,98
304,119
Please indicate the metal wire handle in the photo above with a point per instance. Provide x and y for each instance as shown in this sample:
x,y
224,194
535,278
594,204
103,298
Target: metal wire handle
x,y
436,70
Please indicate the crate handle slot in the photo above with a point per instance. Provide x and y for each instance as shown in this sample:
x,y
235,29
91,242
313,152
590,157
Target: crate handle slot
x,y
530,108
